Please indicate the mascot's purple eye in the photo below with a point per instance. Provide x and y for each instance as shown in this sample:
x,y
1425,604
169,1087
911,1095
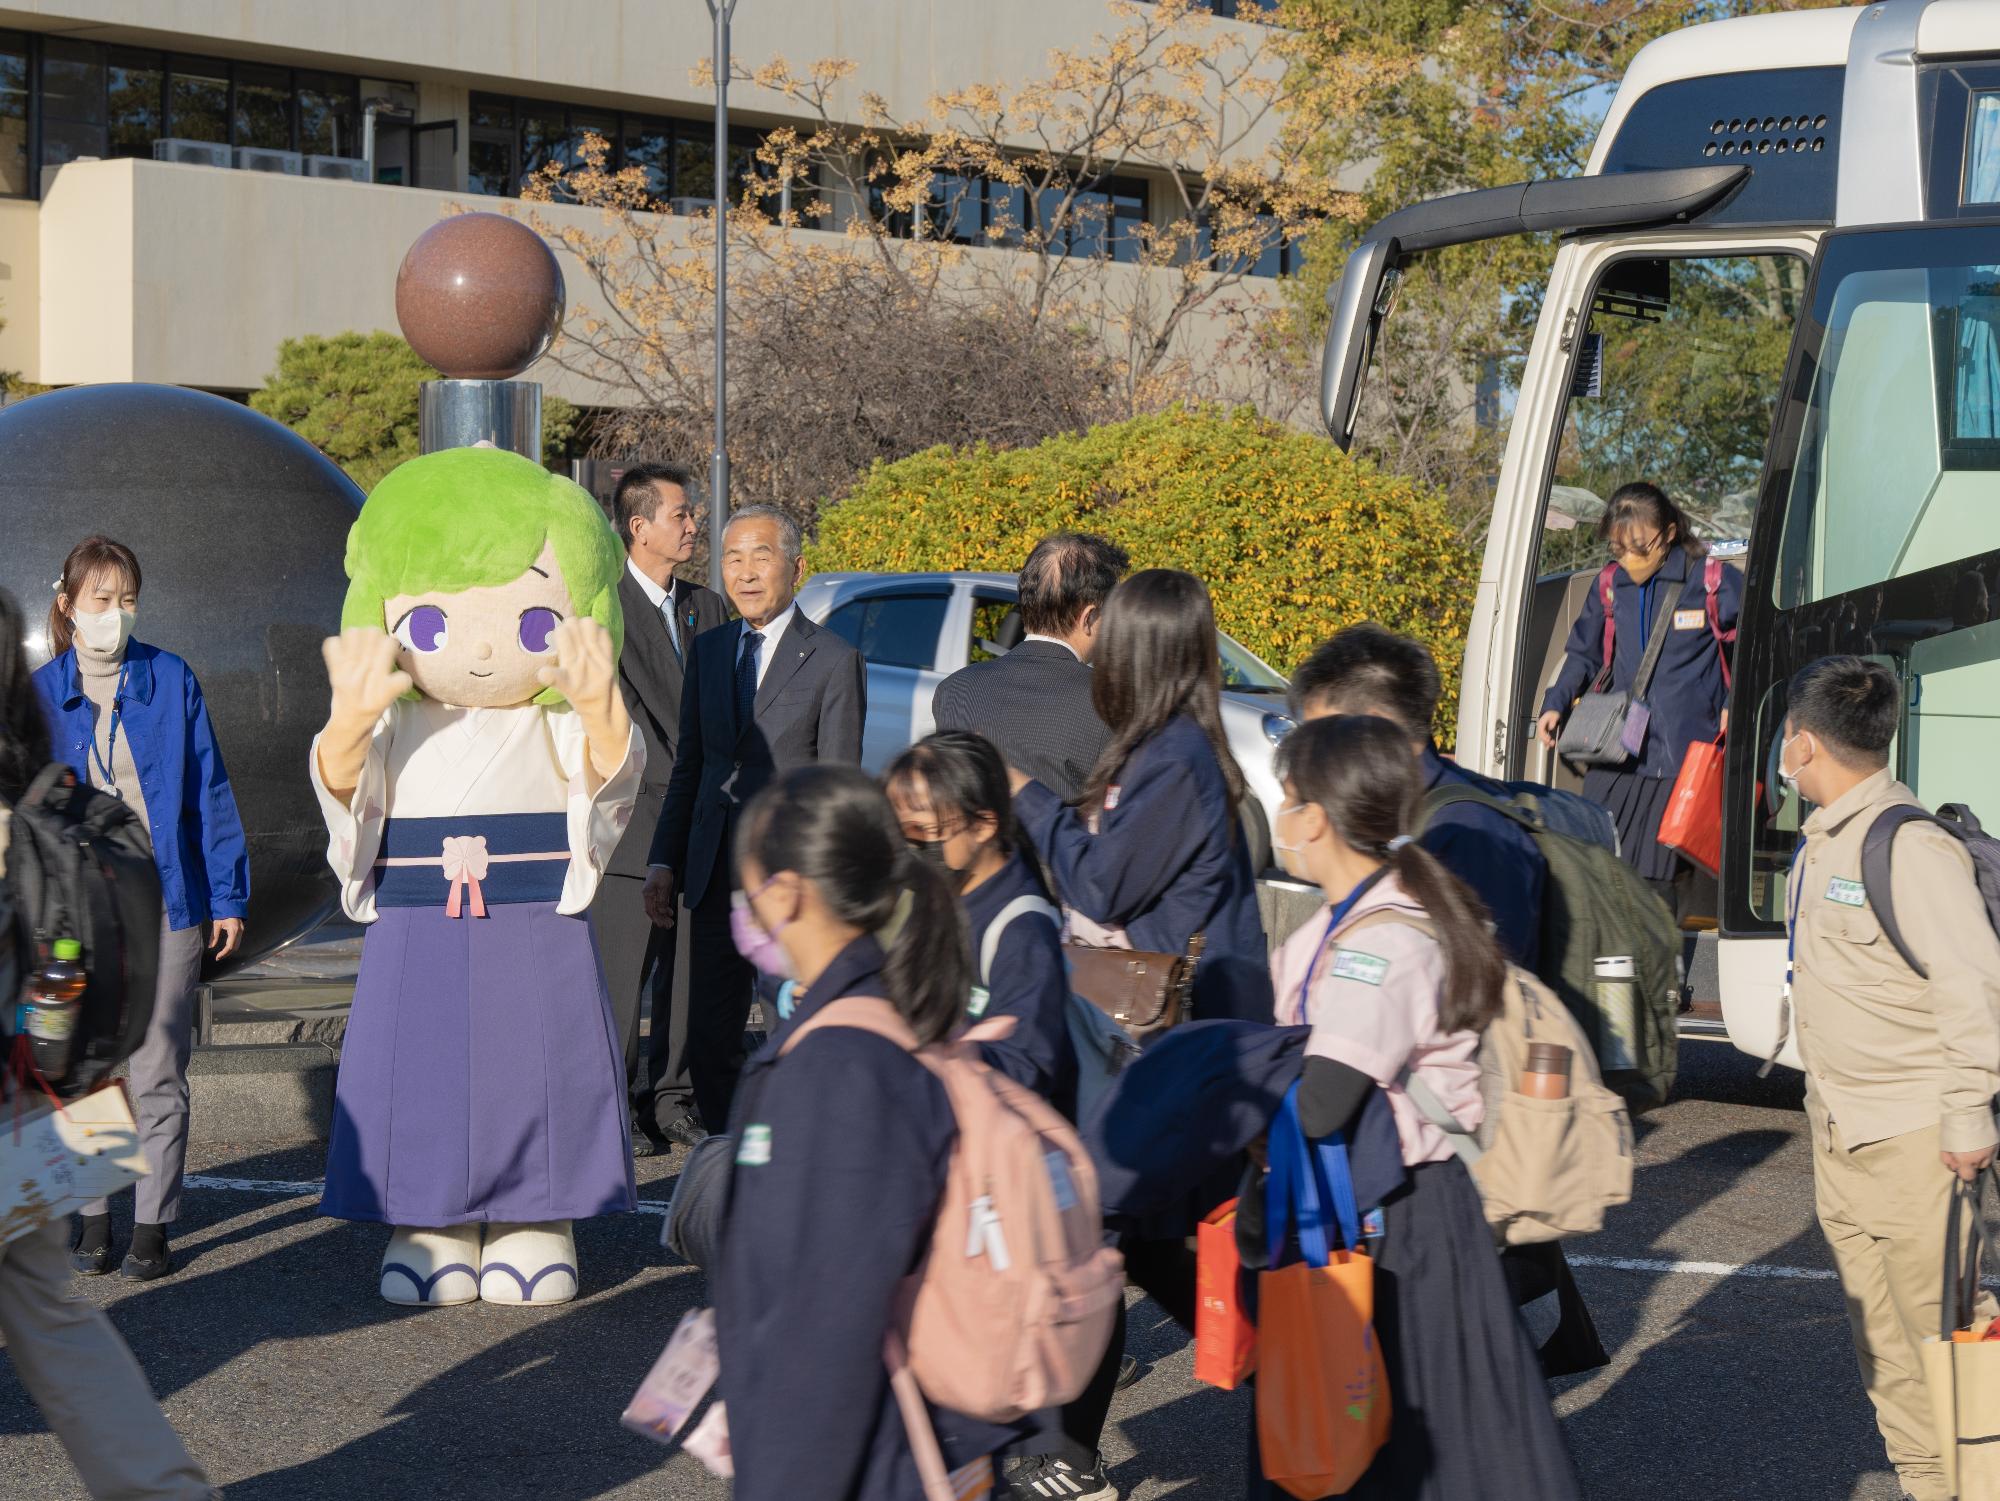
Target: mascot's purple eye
x,y
423,629
537,626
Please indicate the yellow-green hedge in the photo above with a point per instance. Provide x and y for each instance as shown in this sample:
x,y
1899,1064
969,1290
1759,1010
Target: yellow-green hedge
x,y
1294,538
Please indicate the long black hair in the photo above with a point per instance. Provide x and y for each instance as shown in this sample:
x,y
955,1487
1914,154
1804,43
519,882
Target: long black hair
x,y
833,826
24,734
962,775
1641,504
1359,770
1156,657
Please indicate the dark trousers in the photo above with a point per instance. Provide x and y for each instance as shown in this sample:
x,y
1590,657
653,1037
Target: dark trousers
x,y
644,970
719,993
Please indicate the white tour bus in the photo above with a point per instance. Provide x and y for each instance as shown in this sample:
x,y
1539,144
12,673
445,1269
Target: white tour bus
x,y
1778,292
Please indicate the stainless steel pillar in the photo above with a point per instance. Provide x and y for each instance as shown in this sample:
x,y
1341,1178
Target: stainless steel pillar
x,y
462,413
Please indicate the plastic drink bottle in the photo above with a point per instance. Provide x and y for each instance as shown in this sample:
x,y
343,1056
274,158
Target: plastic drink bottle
x,y
50,1007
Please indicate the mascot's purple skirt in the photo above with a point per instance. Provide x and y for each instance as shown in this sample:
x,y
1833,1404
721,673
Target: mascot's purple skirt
x,y
480,1079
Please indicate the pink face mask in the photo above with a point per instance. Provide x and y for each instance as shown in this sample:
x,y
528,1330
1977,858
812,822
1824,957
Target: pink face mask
x,y
762,949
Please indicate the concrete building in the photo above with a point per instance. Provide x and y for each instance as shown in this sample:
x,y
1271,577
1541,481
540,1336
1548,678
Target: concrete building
x,y
188,182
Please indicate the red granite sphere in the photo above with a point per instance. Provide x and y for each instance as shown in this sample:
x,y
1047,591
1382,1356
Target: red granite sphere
x,y
480,296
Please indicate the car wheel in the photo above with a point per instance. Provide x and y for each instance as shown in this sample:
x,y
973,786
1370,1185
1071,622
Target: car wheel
x,y
1256,834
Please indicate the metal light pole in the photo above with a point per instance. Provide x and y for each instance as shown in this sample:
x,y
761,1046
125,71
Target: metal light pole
x,y
720,11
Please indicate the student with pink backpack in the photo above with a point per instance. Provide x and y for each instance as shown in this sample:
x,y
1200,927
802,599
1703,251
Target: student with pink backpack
x,y
910,1259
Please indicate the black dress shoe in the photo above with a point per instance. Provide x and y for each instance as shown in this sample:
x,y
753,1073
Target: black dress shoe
x,y
90,1247
648,1140
686,1131
148,1259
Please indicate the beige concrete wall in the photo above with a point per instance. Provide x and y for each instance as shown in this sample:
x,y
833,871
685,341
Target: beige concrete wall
x,y
634,53
20,285
193,275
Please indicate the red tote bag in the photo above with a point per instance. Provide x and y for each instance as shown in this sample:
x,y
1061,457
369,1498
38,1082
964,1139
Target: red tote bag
x,y
1691,826
1225,1339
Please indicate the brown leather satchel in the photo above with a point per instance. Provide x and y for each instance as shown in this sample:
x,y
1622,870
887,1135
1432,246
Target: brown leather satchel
x,y
1144,992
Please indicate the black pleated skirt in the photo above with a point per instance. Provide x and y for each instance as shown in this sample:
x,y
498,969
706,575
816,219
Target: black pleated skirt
x,y
1636,803
1469,1408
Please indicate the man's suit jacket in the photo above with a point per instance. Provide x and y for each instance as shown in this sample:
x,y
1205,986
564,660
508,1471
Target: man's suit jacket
x,y
808,708
650,674
1034,703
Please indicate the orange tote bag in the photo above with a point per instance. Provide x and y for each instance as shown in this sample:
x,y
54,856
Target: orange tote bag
x,y
1691,826
1225,1340
1322,1393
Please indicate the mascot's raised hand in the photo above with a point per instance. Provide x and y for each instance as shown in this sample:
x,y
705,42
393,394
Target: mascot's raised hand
x,y
476,772
586,673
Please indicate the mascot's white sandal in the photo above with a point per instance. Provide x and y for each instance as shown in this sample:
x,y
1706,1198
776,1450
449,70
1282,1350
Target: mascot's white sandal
x,y
532,1264
425,1268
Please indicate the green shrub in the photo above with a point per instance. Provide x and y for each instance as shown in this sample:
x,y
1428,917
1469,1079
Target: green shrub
x,y
1294,538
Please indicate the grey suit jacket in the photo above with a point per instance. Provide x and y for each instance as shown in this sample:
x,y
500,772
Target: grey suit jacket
x,y
1034,703
808,708
650,674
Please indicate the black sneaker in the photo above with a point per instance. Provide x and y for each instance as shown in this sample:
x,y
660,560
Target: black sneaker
x,y
1046,1478
1128,1372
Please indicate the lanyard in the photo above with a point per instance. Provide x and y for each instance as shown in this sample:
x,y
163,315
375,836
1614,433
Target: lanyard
x,y
1341,909
108,781
1798,885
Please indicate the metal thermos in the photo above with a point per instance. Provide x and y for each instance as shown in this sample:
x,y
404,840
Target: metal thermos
x,y
1546,1074
1618,1006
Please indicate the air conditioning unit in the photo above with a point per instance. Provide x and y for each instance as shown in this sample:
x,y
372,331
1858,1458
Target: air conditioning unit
x,y
691,205
265,159
193,153
351,168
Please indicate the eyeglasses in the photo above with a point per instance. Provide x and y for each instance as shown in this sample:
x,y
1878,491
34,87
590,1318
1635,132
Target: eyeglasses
x,y
1646,549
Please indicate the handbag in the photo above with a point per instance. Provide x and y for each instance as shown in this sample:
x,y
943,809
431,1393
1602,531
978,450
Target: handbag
x,y
1962,1365
1691,824
1225,1337
1143,991
1322,1392
1607,727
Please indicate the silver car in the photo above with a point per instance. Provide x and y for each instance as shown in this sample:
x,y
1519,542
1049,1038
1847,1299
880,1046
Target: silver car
x,y
916,629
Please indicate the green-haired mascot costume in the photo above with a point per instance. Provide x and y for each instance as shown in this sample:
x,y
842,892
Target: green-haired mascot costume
x,y
476,771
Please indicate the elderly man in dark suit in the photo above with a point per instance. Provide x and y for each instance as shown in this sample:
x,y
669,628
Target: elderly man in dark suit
x,y
645,967
765,694
1034,703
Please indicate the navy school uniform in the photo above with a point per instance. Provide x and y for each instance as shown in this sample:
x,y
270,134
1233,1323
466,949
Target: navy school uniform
x,y
1167,861
841,1158
1492,854
1686,698
1028,982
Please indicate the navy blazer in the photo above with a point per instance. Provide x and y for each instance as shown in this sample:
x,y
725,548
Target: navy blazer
x,y
1492,854
1034,704
1167,861
826,1217
1687,695
1028,982
808,708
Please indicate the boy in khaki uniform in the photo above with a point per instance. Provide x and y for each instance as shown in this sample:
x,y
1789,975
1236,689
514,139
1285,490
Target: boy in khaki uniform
x,y
1901,1072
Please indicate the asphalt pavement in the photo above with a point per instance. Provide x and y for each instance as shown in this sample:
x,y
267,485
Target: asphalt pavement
x,y
1732,1374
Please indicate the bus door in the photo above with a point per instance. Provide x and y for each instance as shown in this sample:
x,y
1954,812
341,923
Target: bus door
x,y
1879,535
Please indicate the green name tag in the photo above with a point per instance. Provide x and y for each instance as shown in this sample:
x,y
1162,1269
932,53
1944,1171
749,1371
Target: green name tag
x,y
754,1150
1847,893
976,1006
1349,965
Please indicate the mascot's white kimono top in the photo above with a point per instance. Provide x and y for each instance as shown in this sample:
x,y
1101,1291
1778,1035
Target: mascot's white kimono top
x,y
476,771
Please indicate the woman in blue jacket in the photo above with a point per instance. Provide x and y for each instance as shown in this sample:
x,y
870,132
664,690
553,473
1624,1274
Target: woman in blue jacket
x,y
129,719
1655,557
841,1148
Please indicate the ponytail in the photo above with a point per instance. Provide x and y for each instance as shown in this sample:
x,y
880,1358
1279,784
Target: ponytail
x,y
833,825
1360,770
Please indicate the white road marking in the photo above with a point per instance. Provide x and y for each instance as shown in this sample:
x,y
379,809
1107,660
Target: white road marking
x,y
310,1189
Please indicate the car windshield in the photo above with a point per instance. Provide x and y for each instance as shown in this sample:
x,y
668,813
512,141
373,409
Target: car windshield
x,y
1243,671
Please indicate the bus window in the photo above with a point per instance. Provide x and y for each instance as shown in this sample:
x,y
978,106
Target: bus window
x,y
1884,504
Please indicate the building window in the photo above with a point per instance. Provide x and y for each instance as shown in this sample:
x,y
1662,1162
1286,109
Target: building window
x,y
72,79
137,84
1278,257
263,108
14,97
198,101
1104,219
329,115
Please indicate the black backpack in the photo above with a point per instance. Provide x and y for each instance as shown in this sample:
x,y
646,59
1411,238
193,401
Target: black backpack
x,y
1956,820
79,865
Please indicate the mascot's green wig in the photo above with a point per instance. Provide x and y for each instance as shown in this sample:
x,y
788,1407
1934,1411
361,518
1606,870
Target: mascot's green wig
x,y
469,518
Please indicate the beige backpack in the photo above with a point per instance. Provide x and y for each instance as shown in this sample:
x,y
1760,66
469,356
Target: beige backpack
x,y
1013,1304
1545,1168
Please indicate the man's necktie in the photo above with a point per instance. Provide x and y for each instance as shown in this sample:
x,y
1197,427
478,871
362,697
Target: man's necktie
x,y
673,630
746,679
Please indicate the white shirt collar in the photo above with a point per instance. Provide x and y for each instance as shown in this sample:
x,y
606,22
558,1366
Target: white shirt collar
x,y
1053,640
654,592
772,633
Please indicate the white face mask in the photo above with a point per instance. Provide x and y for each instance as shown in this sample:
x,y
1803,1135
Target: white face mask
x,y
1287,853
106,632
1789,779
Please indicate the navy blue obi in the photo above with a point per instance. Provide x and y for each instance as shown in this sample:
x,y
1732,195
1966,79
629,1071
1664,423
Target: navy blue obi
x,y
463,864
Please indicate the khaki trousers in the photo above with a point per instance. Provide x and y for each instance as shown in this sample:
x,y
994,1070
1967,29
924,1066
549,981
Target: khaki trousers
x,y
1883,1209
83,1378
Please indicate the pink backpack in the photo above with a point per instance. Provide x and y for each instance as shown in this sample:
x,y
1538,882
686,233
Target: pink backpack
x,y
1013,1304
